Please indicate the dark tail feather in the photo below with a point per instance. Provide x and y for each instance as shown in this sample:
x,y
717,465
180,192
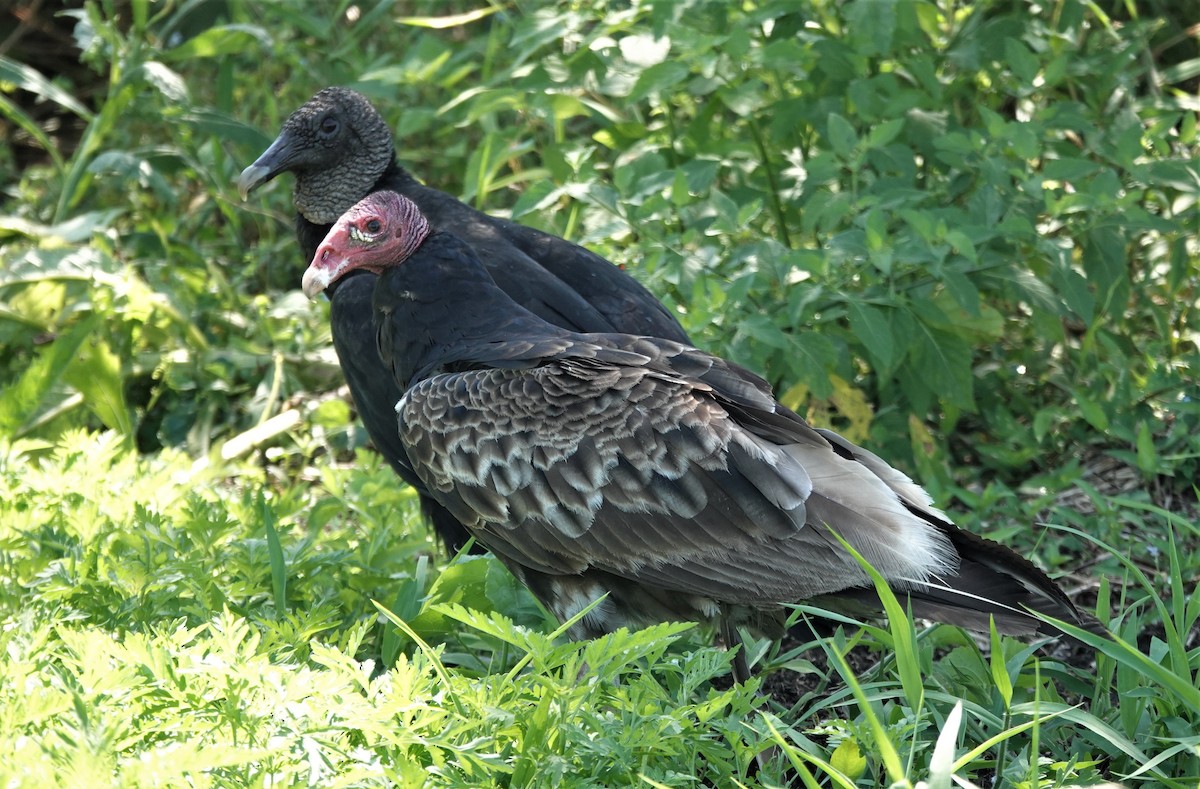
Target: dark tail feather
x,y
992,582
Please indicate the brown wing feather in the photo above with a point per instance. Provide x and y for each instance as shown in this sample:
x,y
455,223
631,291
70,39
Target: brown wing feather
x,y
640,471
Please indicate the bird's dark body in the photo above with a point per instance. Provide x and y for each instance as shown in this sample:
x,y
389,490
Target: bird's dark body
x,y
564,283
659,474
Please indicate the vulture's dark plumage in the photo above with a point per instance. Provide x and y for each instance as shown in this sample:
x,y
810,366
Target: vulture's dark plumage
x,y
340,150
645,468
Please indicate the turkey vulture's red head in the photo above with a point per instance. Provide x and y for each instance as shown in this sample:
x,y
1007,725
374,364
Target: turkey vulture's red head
x,y
381,230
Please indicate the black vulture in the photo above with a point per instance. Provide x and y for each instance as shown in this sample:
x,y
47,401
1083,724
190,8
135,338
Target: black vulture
x,y
340,150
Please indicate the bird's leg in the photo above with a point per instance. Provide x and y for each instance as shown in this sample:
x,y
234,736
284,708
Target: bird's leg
x,y
741,668
741,675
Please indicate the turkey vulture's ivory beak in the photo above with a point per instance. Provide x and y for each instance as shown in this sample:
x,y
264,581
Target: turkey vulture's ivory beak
x,y
271,163
321,273
328,264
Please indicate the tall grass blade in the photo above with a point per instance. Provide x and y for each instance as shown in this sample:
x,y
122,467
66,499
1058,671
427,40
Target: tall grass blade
x,y
274,556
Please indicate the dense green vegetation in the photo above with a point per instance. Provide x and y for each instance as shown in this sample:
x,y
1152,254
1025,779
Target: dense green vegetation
x,y
964,234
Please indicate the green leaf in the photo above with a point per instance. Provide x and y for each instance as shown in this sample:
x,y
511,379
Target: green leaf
x,y
882,134
942,361
450,20
14,113
168,83
1147,455
1176,174
701,174
1022,62
1075,293
408,604
1069,169
875,333
1091,411
679,189
849,759
658,79
644,49
464,582
999,667
963,290
20,401
900,627
217,124
274,556
98,375
872,24
1043,420
876,228
842,137
963,244
32,80
762,329
219,42
985,324
331,414
1106,264
538,196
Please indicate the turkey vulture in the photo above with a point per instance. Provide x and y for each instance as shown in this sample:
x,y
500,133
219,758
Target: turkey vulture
x,y
664,476
341,150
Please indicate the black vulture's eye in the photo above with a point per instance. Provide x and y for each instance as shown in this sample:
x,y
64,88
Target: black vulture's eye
x,y
329,126
374,225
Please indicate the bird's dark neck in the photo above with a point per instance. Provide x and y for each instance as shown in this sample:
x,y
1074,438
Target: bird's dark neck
x,y
424,327
395,178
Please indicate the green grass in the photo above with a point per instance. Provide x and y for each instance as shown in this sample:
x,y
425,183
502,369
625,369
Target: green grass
x,y
964,236
154,636
146,645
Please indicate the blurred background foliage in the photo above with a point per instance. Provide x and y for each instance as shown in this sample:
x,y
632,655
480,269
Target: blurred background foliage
x,y
963,233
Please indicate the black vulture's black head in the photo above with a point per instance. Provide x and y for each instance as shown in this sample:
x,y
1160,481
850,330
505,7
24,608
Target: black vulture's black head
x,y
337,144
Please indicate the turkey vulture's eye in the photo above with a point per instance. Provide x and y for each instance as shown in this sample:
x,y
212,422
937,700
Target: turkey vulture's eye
x,y
374,225
329,126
